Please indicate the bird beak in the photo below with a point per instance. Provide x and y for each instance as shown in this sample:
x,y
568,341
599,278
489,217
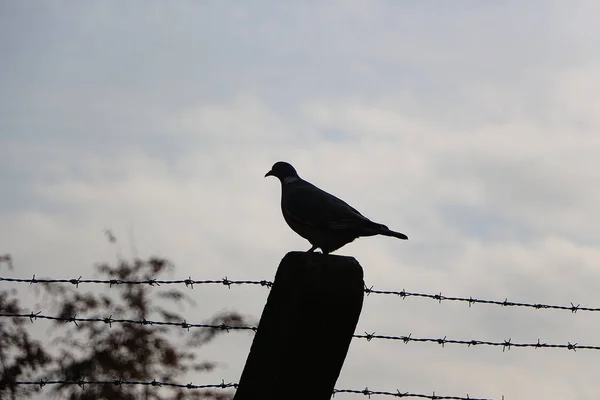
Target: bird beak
x,y
270,173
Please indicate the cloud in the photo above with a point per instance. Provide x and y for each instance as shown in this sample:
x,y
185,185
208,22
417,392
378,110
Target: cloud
x,y
471,128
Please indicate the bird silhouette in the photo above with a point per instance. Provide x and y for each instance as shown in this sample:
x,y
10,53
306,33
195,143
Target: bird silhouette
x,y
326,221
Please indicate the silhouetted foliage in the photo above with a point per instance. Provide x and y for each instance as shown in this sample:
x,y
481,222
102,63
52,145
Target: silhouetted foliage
x,y
104,352
20,355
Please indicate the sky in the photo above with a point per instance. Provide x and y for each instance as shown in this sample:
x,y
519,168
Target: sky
x,y
470,126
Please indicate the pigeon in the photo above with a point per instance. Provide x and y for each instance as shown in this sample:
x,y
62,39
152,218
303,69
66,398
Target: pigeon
x,y
327,222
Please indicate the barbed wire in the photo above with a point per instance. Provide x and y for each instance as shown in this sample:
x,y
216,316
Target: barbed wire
x,y
268,284
152,282
109,320
506,344
119,382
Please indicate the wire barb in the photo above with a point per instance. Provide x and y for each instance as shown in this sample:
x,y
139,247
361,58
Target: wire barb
x,y
75,282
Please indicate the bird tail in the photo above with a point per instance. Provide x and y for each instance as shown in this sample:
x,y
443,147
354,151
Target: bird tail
x,y
384,230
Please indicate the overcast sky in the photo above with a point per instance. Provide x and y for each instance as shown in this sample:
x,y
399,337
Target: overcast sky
x,y
473,127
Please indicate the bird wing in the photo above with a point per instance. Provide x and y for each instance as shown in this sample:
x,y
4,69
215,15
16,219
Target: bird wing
x,y
308,205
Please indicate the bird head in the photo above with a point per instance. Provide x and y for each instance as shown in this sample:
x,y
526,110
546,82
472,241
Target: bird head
x,y
282,170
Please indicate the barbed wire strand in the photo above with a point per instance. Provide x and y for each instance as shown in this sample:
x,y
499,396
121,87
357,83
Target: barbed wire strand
x,y
368,290
118,382
506,344
152,282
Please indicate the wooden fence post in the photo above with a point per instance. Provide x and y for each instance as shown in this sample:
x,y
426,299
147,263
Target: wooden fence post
x,y
305,329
